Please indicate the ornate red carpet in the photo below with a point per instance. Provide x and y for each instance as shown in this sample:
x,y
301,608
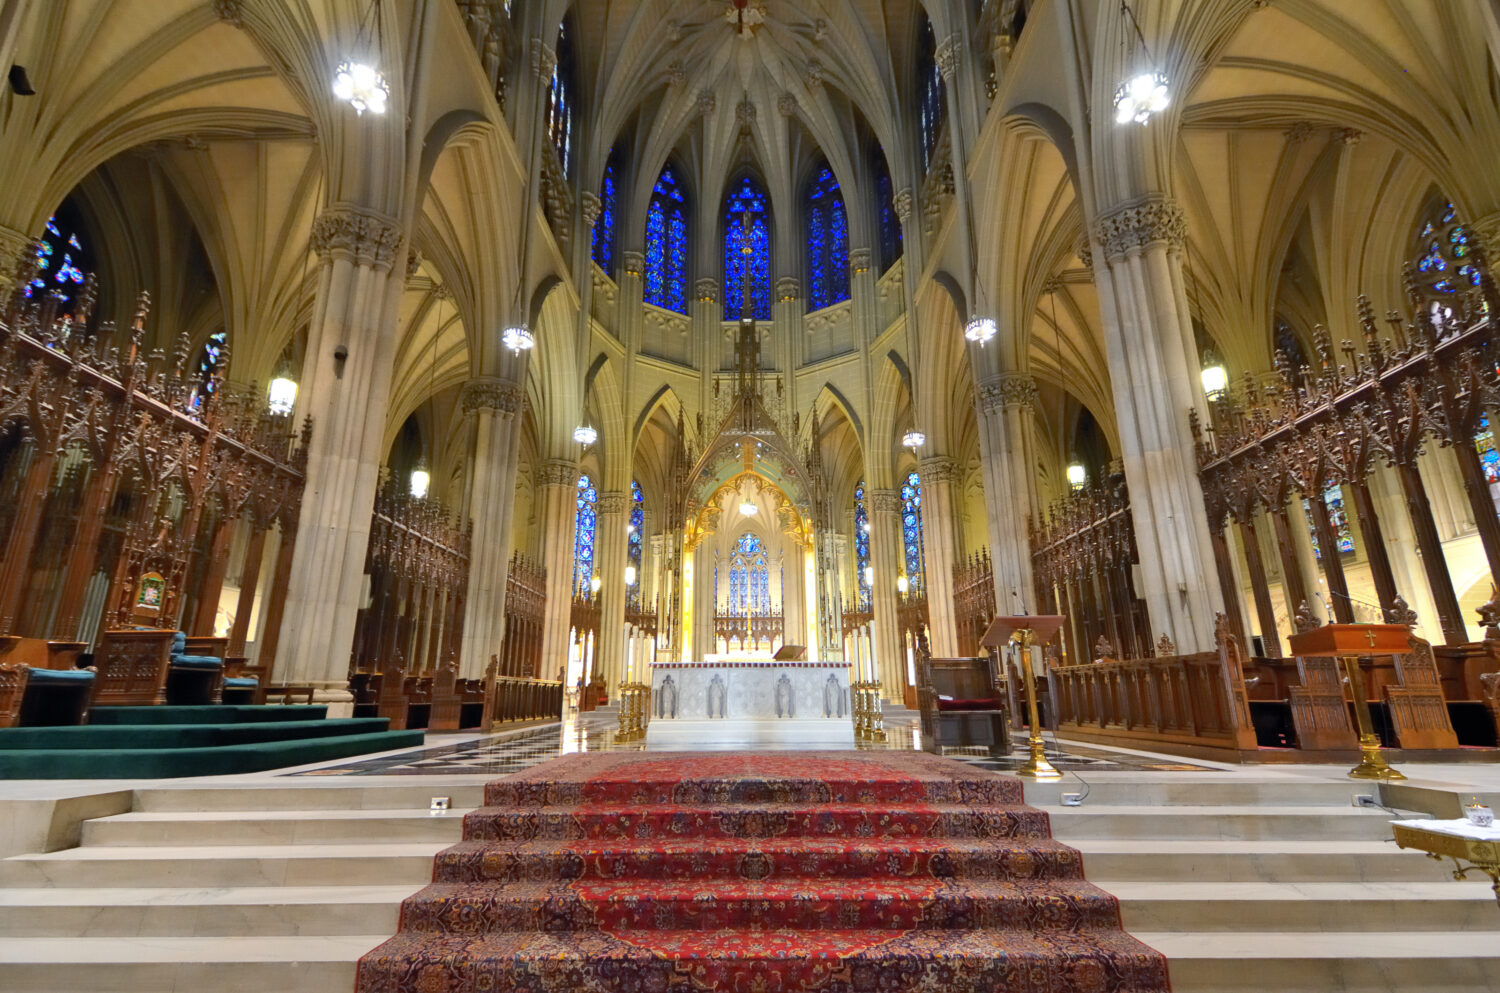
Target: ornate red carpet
x,y
840,872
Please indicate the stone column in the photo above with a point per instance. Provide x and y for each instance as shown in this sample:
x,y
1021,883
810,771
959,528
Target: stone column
x,y
940,540
614,513
1156,379
346,392
1007,408
885,558
830,619
557,489
496,408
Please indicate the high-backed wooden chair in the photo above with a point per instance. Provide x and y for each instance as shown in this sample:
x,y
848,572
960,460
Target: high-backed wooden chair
x,y
962,704
40,683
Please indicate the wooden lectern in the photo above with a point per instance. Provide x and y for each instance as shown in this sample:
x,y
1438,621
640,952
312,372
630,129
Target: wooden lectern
x,y
1348,642
1028,631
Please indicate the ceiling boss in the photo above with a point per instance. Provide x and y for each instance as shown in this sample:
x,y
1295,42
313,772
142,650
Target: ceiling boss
x,y
745,15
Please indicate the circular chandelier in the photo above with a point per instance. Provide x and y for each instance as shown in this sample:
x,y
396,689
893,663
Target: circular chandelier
x,y
361,86
585,435
914,439
748,507
1138,98
518,338
980,330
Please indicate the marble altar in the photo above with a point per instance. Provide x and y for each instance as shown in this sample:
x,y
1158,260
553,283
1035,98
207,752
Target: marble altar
x,y
747,703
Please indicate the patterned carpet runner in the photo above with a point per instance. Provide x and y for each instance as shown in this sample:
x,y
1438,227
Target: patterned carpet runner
x,y
759,873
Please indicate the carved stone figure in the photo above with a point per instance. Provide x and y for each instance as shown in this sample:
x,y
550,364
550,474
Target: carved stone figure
x,y
717,696
666,699
784,697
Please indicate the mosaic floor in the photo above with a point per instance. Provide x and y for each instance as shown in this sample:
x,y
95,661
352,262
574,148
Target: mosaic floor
x,y
508,752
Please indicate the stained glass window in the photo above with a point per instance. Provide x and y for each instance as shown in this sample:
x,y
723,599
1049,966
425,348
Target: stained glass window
x,y
1288,344
562,99
930,105
604,227
747,251
1441,253
1333,499
637,525
749,577
1484,443
827,242
911,528
59,257
889,222
208,364
861,542
667,245
583,537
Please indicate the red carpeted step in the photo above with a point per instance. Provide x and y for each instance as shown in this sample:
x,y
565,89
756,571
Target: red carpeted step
x,y
801,820
800,904
755,858
759,873
782,961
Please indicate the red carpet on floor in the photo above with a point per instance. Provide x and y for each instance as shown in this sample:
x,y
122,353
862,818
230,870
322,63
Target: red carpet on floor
x,y
840,872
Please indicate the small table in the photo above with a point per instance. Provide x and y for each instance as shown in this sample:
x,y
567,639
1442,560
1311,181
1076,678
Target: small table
x,y
1458,840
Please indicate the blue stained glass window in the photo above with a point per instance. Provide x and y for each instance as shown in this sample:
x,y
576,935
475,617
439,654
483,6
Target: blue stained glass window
x,y
861,542
208,364
1443,247
911,528
827,242
585,524
562,100
1484,443
930,95
666,245
604,227
747,252
749,577
637,525
1333,499
890,225
59,257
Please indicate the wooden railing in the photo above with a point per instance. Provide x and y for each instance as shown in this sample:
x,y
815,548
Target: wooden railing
x,y
751,630
525,613
525,700
973,599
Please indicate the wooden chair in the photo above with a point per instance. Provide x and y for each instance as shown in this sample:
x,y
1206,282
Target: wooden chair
x,y
41,685
447,699
962,705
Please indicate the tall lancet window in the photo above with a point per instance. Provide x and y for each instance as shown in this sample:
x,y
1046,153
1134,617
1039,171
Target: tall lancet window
x,y
209,361
929,93
889,223
59,261
861,543
604,227
827,242
747,249
911,529
562,96
585,524
1441,255
634,547
749,577
667,244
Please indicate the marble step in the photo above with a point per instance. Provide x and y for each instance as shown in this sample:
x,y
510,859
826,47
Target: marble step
x,y
1189,789
225,865
1218,907
1262,822
274,827
1315,962
224,965
1109,860
347,793
201,911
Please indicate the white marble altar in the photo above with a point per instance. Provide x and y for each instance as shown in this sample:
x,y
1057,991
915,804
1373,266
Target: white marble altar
x,y
749,703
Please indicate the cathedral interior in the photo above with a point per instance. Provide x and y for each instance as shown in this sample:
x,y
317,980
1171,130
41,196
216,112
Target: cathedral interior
x,y
412,392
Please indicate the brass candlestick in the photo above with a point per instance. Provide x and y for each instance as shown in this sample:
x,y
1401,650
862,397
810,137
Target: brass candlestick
x,y
1372,764
1348,642
1036,766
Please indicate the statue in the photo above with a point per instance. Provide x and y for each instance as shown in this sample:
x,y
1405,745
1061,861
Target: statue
x,y
833,697
784,697
717,695
666,699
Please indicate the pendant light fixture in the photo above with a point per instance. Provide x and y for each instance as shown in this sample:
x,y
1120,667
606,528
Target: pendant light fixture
x,y
1145,93
358,83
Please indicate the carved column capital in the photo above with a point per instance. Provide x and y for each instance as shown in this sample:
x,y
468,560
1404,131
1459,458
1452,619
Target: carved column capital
x,y
1085,252
885,502
543,59
904,201
1010,390
13,247
634,263
1486,227
860,261
1132,227
612,502
707,290
489,393
939,469
230,12
591,207
358,235
788,288
557,472
948,56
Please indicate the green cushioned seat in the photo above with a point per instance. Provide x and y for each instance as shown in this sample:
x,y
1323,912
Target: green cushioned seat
x,y
60,677
241,682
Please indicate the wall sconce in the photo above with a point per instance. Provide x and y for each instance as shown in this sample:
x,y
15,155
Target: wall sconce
x,y
1215,381
421,480
282,396
1077,475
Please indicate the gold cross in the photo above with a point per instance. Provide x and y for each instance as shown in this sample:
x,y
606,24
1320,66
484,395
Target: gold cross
x,y
1371,635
